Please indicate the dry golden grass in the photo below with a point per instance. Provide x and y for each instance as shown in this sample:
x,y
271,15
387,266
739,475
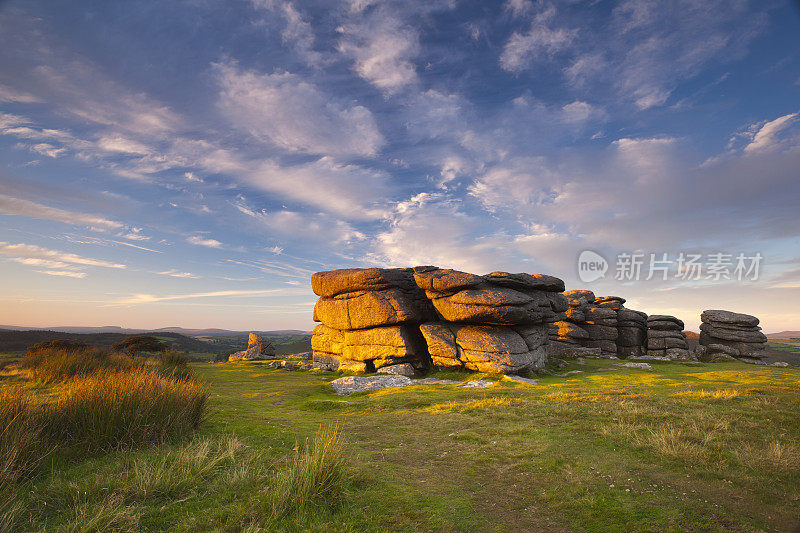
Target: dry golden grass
x,y
21,444
110,409
703,394
471,405
778,457
314,472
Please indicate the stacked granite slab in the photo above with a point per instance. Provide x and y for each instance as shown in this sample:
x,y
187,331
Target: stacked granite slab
x,y
601,323
567,334
631,333
598,325
375,318
727,334
665,338
493,323
369,319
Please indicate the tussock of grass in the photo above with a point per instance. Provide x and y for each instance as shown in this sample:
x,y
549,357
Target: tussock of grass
x,y
272,495
52,364
179,471
776,456
111,409
315,472
21,446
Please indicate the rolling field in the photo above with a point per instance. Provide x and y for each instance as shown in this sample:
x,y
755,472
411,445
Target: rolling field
x,y
684,447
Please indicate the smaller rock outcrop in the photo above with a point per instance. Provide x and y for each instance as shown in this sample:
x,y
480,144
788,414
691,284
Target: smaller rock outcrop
x,y
258,348
725,334
665,338
631,333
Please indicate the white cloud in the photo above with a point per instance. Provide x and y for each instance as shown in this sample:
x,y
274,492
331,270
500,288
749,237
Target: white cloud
x,y
45,263
177,274
17,206
149,298
63,273
519,8
295,115
349,191
577,111
277,250
767,136
36,252
135,234
123,145
202,241
47,149
304,227
517,184
433,114
382,48
541,40
299,33
7,94
431,229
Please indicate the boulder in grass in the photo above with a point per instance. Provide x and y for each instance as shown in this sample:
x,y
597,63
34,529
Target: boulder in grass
x,y
258,349
350,384
729,334
403,369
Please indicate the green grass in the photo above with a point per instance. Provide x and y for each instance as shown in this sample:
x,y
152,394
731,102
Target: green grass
x,y
709,447
80,402
785,346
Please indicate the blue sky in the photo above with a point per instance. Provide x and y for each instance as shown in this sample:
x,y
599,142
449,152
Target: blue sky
x,y
192,163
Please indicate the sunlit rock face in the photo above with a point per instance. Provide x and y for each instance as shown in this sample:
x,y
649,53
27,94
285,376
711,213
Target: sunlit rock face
x,y
257,348
728,334
665,338
374,318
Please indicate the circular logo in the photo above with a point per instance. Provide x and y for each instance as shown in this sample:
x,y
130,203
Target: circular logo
x,y
591,266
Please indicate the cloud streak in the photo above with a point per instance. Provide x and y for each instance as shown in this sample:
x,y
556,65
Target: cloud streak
x,y
31,251
18,206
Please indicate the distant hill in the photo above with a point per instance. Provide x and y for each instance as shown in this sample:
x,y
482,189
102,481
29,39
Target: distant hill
x,y
285,341
19,341
784,335
208,332
691,335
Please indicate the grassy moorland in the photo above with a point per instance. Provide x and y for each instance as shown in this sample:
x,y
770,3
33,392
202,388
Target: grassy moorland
x,y
684,447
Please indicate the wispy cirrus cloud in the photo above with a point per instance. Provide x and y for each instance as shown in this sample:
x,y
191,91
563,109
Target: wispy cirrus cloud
x,y
63,273
294,114
542,40
10,205
150,298
178,274
31,251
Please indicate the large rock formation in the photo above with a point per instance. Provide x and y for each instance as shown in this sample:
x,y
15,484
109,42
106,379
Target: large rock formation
x,y
727,334
370,319
258,348
374,318
665,338
600,326
492,323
